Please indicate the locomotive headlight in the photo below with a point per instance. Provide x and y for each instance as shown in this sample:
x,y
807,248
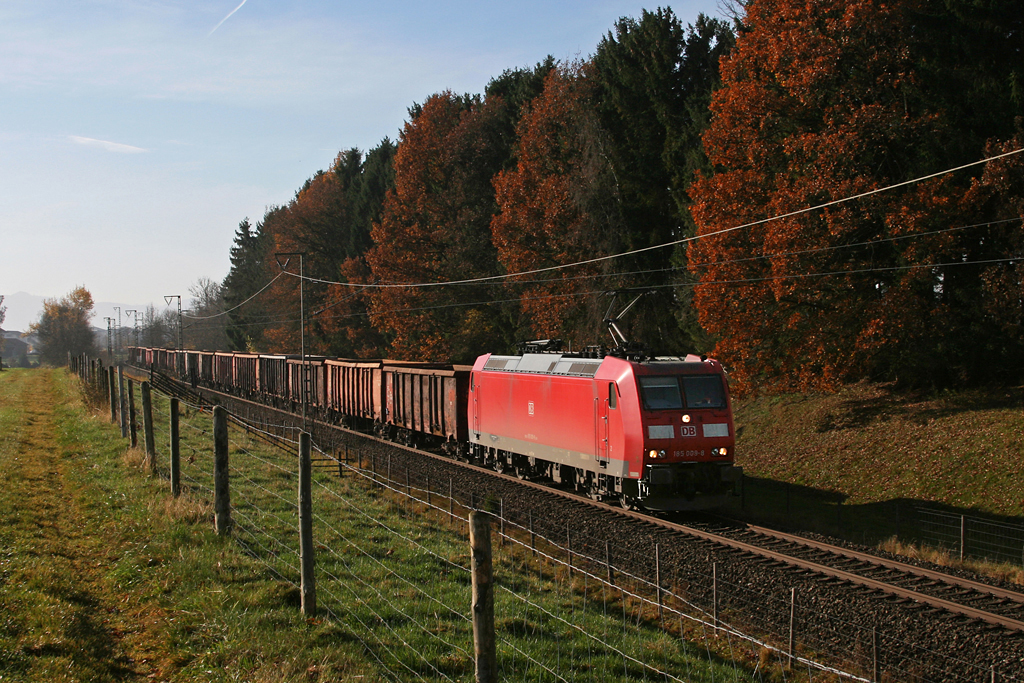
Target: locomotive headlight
x,y
722,452
653,454
656,454
686,418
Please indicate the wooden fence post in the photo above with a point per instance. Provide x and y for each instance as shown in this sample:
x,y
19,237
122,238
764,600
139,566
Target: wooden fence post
x,y
483,598
306,552
132,428
121,401
175,450
147,425
112,393
221,492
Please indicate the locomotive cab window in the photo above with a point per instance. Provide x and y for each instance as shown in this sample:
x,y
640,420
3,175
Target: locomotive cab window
x,y
661,393
704,391
612,402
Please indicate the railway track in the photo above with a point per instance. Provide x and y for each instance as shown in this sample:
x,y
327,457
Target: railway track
x,y
904,582
983,602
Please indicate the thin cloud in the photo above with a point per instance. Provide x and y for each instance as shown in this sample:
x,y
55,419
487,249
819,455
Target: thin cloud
x,y
227,17
107,145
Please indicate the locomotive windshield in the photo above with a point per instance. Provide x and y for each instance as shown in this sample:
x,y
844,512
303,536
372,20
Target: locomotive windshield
x,y
697,391
704,391
661,393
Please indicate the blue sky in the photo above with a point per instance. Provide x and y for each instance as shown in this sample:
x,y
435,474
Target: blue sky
x,y
136,134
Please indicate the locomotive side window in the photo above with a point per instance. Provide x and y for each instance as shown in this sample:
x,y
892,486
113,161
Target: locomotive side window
x,y
704,391
612,402
661,393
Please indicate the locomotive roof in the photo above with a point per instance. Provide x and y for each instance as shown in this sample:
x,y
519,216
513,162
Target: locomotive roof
x,y
574,366
545,363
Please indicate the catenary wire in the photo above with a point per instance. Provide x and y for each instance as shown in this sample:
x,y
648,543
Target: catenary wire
x,y
685,240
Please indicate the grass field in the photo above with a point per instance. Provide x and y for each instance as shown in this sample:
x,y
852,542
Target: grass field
x,y
105,577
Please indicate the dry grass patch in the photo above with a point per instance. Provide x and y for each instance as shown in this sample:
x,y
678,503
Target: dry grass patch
x,y
942,557
185,508
134,458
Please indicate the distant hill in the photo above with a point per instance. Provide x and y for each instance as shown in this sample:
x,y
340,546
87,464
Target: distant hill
x,y
23,309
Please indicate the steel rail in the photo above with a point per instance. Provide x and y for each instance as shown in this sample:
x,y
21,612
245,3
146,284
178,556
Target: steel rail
x,y
839,574
996,591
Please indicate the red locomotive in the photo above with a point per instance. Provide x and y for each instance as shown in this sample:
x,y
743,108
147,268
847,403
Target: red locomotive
x,y
655,433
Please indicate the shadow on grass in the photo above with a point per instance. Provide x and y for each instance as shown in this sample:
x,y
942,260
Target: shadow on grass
x,y
91,646
890,404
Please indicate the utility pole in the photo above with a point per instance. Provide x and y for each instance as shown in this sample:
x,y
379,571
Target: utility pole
x,y
117,333
110,348
136,314
302,325
168,298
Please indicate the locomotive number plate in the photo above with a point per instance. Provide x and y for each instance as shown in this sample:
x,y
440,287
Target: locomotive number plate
x,y
688,430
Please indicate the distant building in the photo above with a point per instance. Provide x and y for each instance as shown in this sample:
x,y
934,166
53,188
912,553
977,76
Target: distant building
x,y
19,350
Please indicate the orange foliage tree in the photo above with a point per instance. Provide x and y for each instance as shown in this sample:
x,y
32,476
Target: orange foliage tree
x,y
313,223
434,229
554,208
824,100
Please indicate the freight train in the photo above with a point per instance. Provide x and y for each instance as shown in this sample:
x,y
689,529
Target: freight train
x,y
651,433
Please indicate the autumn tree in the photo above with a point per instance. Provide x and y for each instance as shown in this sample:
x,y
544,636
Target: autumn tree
x,y
64,328
556,207
315,223
434,228
517,88
995,202
825,100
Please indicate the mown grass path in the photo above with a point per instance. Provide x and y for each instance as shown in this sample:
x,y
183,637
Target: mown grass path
x,y
63,619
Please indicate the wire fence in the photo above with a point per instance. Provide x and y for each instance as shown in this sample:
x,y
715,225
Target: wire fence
x,y
393,566
962,535
972,537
